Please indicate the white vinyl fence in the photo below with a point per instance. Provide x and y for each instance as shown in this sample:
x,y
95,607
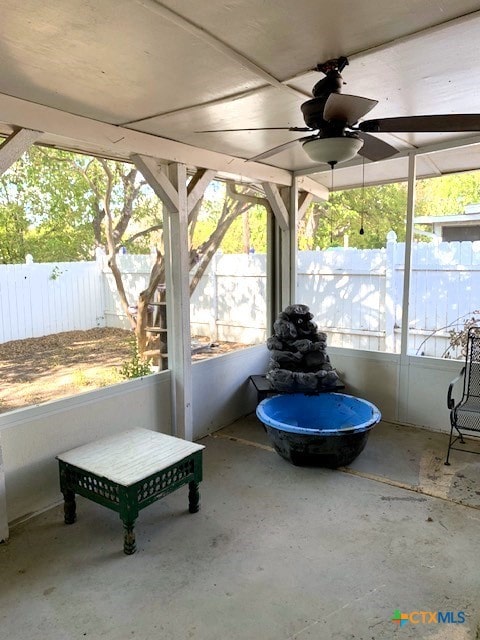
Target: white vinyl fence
x,y
356,295
40,299
229,302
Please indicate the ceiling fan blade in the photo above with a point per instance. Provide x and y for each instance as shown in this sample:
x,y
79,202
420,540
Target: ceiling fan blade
x,y
375,149
257,129
347,108
278,149
424,124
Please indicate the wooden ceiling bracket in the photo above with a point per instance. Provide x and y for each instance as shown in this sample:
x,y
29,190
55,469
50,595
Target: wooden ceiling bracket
x,y
304,201
196,187
277,204
15,146
152,172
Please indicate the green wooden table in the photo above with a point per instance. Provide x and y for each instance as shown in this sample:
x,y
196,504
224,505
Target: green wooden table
x,y
129,471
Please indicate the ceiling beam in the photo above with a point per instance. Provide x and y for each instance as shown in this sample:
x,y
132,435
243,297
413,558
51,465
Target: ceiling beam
x,y
232,97
121,143
311,186
15,146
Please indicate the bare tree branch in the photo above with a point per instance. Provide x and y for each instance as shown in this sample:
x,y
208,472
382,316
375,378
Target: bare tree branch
x,y
155,227
231,210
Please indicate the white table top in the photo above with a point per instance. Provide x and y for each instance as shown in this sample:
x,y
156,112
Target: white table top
x,y
130,456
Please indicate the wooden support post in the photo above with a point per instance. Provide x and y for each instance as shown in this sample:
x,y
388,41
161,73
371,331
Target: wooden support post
x,y
178,303
272,271
293,240
172,190
402,408
288,208
411,186
281,240
15,146
10,151
3,501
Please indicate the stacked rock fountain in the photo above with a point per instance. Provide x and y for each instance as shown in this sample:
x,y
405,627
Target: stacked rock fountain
x,y
299,360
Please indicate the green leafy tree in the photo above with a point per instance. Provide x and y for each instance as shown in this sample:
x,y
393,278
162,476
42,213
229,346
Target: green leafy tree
x,y
447,194
43,211
381,208
59,206
13,227
248,231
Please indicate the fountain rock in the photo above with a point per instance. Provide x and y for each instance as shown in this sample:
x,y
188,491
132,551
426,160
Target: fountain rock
x,y
299,360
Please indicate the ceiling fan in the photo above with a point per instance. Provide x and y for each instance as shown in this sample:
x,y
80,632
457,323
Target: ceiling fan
x,y
336,135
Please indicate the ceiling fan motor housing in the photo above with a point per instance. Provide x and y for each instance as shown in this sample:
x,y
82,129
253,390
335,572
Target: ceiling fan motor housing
x,y
313,112
332,83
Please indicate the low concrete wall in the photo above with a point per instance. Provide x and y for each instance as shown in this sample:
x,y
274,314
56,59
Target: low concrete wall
x,y
370,375
31,438
221,390
423,396
409,390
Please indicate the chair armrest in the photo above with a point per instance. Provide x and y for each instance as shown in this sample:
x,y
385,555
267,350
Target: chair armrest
x,y
450,400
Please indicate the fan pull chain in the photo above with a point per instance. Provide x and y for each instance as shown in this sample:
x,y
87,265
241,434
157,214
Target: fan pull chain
x,y
332,165
362,230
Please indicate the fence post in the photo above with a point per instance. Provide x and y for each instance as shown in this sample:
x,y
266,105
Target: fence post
x,y
390,302
100,257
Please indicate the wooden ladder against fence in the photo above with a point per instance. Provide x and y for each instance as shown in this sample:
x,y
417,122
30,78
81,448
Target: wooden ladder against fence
x,y
157,325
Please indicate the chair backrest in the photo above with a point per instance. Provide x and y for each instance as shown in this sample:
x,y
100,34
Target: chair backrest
x,y
472,364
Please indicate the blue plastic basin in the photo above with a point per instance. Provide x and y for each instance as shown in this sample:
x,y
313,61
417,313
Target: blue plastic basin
x,y
329,429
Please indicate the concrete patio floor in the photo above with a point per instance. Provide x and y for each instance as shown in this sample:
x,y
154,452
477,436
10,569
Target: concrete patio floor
x,y
277,552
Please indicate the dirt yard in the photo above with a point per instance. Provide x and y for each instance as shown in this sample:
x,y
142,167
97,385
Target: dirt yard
x,y
36,370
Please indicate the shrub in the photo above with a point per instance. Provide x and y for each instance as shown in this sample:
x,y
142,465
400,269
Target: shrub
x,y
135,367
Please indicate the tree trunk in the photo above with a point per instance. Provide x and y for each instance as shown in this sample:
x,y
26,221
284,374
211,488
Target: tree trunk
x,y
157,277
112,263
231,210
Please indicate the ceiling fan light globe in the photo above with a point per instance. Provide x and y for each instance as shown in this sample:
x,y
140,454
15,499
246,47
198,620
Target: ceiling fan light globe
x,y
332,150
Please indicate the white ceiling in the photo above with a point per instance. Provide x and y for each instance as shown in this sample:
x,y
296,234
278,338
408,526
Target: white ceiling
x,y
174,68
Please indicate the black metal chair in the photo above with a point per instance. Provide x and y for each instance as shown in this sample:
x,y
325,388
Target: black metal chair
x,y
465,414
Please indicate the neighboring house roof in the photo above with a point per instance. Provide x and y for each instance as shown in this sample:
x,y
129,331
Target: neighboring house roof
x,y
450,220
